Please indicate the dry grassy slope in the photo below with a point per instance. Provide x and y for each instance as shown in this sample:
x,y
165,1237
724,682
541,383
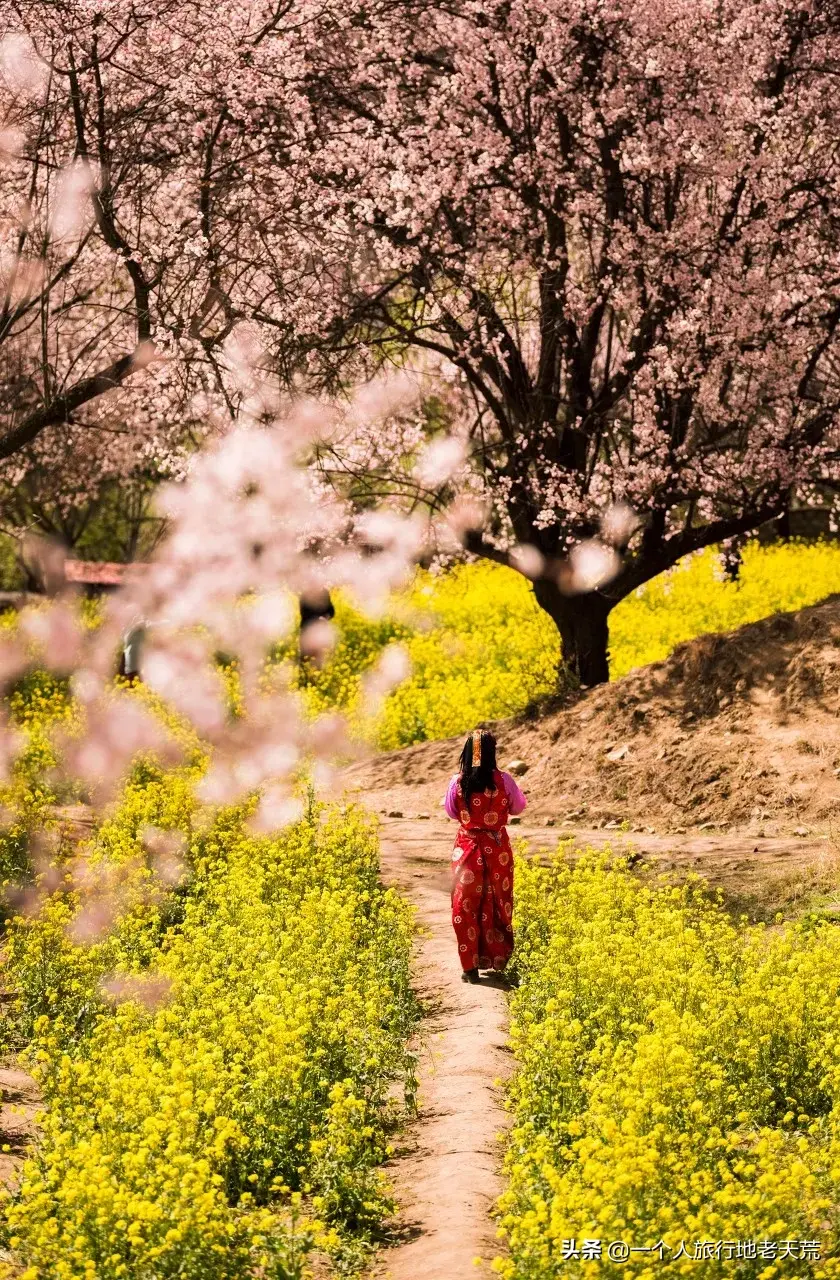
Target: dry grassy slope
x,y
736,730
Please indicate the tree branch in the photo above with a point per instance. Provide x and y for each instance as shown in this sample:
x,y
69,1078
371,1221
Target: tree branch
x,y
61,407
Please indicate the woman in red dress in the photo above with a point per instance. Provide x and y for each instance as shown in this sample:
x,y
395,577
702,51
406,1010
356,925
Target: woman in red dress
x,y
481,799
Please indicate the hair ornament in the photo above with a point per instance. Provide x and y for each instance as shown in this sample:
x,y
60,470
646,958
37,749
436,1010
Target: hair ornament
x,y
476,748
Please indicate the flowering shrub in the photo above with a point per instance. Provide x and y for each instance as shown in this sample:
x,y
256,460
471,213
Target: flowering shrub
x,y
360,641
235,1127
37,702
40,703
678,1080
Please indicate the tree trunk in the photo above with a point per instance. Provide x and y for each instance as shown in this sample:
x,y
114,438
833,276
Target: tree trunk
x,y
584,630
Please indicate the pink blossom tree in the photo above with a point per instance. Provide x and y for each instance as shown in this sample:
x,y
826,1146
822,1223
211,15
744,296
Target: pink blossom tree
x,y
609,234
613,230
91,482
137,239
247,531
135,223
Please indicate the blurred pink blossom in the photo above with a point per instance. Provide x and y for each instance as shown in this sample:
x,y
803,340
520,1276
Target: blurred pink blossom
x,y
13,659
45,558
618,524
166,851
177,669
73,210
58,633
318,639
23,70
592,565
118,729
440,460
93,920
271,615
527,560
276,809
147,989
392,667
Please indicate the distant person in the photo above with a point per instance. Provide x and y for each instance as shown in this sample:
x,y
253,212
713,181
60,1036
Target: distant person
x,y
131,651
732,556
316,606
481,799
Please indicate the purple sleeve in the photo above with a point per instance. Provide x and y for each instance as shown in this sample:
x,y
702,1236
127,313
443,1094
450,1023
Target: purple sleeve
x,y
514,795
449,803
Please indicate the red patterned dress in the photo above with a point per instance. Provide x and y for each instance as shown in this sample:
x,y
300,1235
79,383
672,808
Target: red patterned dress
x,y
482,879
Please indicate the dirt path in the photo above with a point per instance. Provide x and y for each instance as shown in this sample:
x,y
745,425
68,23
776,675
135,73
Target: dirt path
x,y
19,1101
446,1175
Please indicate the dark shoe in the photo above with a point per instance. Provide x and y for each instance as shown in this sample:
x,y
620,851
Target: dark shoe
x,y
470,975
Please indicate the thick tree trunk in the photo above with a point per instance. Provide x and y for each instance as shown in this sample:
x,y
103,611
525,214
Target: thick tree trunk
x,y
584,630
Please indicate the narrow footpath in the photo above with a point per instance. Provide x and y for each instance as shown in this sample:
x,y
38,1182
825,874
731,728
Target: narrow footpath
x,y
446,1173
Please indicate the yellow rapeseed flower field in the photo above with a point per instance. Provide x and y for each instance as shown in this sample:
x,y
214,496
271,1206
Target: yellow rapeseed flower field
x,y
677,1084
480,647
218,1059
219,1063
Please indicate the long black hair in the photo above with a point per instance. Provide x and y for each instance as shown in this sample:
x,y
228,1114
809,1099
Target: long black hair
x,y
479,779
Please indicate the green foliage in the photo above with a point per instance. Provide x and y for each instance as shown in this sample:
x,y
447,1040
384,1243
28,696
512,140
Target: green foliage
x,y
12,576
119,524
123,525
